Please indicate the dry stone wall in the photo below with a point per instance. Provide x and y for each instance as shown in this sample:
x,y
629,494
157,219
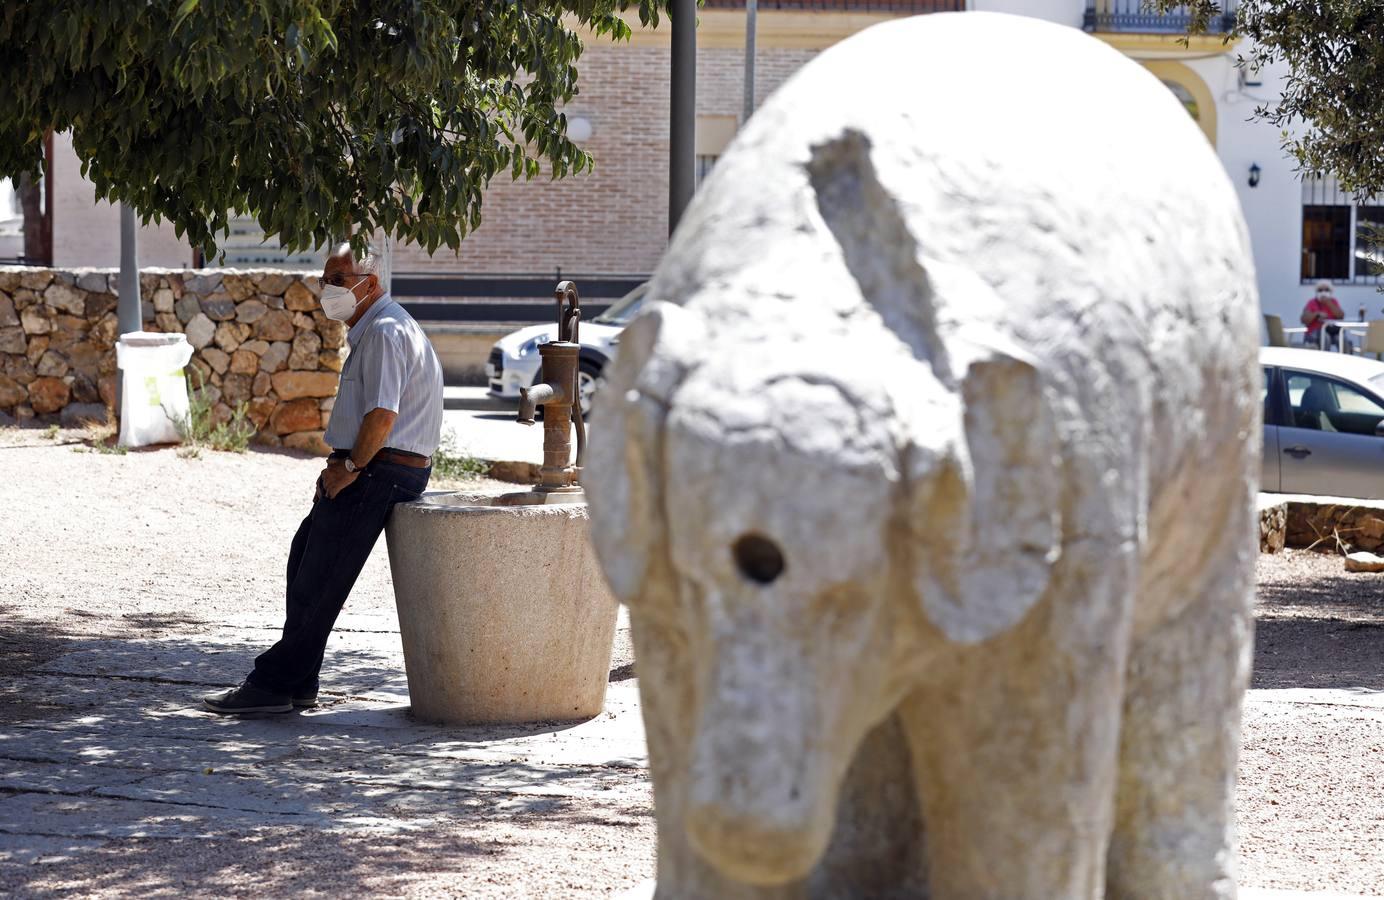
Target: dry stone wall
x,y
259,341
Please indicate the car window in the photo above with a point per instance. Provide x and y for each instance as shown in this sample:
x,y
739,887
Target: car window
x,y
624,309
1325,404
1264,395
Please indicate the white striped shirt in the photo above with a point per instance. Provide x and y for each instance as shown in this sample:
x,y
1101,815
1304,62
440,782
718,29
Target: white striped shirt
x,y
391,366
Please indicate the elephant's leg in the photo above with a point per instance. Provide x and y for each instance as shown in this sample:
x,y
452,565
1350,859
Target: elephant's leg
x,y
1016,750
1181,735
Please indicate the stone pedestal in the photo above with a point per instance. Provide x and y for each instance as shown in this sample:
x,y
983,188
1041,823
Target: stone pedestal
x,y
503,611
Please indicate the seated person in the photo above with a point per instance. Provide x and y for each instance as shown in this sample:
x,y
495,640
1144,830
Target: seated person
x,y
1319,310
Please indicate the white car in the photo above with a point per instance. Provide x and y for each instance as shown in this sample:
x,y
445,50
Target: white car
x,y
1323,423
514,361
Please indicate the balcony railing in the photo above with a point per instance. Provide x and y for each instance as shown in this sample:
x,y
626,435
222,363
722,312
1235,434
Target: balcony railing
x,y
902,7
1132,16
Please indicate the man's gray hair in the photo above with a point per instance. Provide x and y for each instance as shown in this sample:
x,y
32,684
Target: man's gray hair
x,y
369,264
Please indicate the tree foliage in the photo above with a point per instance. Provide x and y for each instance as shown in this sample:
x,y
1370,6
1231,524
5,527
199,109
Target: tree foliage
x,y
1334,53
321,118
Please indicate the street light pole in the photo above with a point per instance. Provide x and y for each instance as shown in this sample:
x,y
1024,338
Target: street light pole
x,y
127,311
751,24
682,125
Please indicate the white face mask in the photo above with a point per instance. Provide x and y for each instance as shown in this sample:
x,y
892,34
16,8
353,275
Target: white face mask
x,y
338,302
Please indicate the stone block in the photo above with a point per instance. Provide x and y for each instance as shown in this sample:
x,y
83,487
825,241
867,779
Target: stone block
x,y
239,287
36,320
84,356
94,282
12,393
36,279
250,311
202,283
97,305
52,365
333,334
330,360
186,307
23,413
297,297
23,299
277,325
8,317
262,384
163,301
290,385
85,389
243,362
12,340
267,439
477,649
305,348
272,301
218,359
218,307
65,298
106,386
48,395
78,415
20,369
311,441
168,323
296,415
200,331
259,410
221,414
304,322
275,283
235,388
226,337
276,357
257,347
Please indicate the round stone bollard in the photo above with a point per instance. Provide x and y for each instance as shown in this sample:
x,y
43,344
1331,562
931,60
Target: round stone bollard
x,y
504,613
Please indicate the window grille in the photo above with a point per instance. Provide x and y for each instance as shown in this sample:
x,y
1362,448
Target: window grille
x,y
1338,241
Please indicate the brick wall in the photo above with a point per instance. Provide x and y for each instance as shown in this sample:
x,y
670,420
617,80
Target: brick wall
x,y
259,339
613,220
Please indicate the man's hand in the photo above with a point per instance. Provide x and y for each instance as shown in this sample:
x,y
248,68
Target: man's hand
x,y
334,479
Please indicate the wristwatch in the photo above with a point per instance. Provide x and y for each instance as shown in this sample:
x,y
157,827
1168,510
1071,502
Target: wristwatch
x,y
351,465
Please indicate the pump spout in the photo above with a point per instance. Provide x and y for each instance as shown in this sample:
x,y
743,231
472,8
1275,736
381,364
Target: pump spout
x,y
533,397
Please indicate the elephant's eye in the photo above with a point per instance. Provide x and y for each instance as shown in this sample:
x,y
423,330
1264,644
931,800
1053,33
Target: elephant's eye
x,y
758,558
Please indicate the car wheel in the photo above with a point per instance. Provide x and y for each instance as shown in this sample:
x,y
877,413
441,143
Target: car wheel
x,y
588,374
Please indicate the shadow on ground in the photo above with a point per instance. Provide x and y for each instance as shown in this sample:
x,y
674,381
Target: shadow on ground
x,y
1327,632
113,781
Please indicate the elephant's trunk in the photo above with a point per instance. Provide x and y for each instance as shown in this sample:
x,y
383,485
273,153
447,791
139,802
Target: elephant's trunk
x,y
761,797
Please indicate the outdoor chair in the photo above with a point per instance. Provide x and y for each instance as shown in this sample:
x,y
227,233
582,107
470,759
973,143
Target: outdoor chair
x,y
1274,324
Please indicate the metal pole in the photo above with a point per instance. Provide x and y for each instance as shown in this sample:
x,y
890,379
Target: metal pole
x,y
751,23
682,123
127,311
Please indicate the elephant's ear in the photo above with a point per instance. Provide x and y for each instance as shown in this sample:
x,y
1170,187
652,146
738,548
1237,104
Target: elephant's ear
x,y
623,474
987,511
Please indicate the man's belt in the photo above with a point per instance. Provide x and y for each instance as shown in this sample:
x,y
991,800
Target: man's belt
x,y
390,455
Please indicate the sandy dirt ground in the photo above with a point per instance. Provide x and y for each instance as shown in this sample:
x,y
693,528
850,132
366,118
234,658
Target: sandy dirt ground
x,y
132,584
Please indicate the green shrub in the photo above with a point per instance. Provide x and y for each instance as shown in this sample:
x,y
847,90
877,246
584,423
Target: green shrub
x,y
200,428
450,462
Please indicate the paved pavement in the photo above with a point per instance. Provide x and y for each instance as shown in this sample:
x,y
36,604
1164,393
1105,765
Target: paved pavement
x,y
486,428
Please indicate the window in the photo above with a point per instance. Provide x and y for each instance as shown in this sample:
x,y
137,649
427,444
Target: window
x,y
1337,241
1319,403
247,247
704,164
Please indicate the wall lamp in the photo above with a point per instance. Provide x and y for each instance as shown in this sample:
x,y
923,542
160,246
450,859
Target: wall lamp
x,y
1254,171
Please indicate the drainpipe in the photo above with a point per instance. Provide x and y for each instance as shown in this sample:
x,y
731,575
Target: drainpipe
x,y
682,105
751,24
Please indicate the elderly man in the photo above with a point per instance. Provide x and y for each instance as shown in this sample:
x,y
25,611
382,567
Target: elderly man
x,y
385,426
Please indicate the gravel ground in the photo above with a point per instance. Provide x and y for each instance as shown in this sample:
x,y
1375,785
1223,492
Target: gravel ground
x,y
149,546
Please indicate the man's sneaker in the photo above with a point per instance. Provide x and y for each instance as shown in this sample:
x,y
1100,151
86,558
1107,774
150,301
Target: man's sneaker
x,y
305,698
248,699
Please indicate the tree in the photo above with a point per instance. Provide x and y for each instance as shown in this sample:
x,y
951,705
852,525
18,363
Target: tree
x,y
1334,52
321,118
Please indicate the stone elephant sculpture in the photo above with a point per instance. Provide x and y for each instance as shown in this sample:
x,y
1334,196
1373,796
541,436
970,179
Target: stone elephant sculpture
x,y
929,480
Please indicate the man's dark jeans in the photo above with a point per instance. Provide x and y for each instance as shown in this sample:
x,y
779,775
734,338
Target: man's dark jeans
x,y
328,552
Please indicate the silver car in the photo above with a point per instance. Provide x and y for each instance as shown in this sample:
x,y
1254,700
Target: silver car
x,y
1322,423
